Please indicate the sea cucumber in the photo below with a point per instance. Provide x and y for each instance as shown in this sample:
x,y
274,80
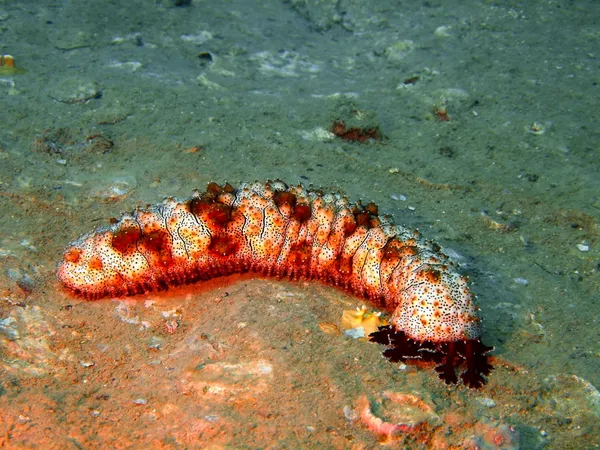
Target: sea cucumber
x,y
273,229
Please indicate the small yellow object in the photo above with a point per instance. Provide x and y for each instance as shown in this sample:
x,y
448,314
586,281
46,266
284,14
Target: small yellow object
x,y
362,318
7,61
8,67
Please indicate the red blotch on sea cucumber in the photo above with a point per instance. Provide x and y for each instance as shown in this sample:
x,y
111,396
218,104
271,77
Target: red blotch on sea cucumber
x,y
95,263
223,246
273,229
72,255
126,238
158,243
302,213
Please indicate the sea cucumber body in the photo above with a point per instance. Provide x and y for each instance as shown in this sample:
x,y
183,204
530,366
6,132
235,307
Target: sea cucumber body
x,y
276,230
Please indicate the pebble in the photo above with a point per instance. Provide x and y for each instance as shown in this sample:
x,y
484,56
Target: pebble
x,y
522,281
23,419
442,31
140,401
398,197
355,333
487,402
319,134
27,244
116,189
350,413
156,343
8,328
583,247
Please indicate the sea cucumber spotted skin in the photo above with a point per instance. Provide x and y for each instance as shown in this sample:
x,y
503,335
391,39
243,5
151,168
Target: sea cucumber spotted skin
x,y
276,230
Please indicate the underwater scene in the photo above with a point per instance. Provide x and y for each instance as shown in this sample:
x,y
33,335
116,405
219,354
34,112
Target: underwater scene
x,y
290,224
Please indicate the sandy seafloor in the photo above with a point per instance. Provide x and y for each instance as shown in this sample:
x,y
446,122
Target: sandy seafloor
x,y
124,103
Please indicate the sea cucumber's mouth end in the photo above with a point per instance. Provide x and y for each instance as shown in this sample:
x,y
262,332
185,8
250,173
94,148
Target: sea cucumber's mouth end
x,y
81,275
62,275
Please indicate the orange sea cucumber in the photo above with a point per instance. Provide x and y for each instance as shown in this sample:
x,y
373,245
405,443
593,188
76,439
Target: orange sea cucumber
x,y
276,230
